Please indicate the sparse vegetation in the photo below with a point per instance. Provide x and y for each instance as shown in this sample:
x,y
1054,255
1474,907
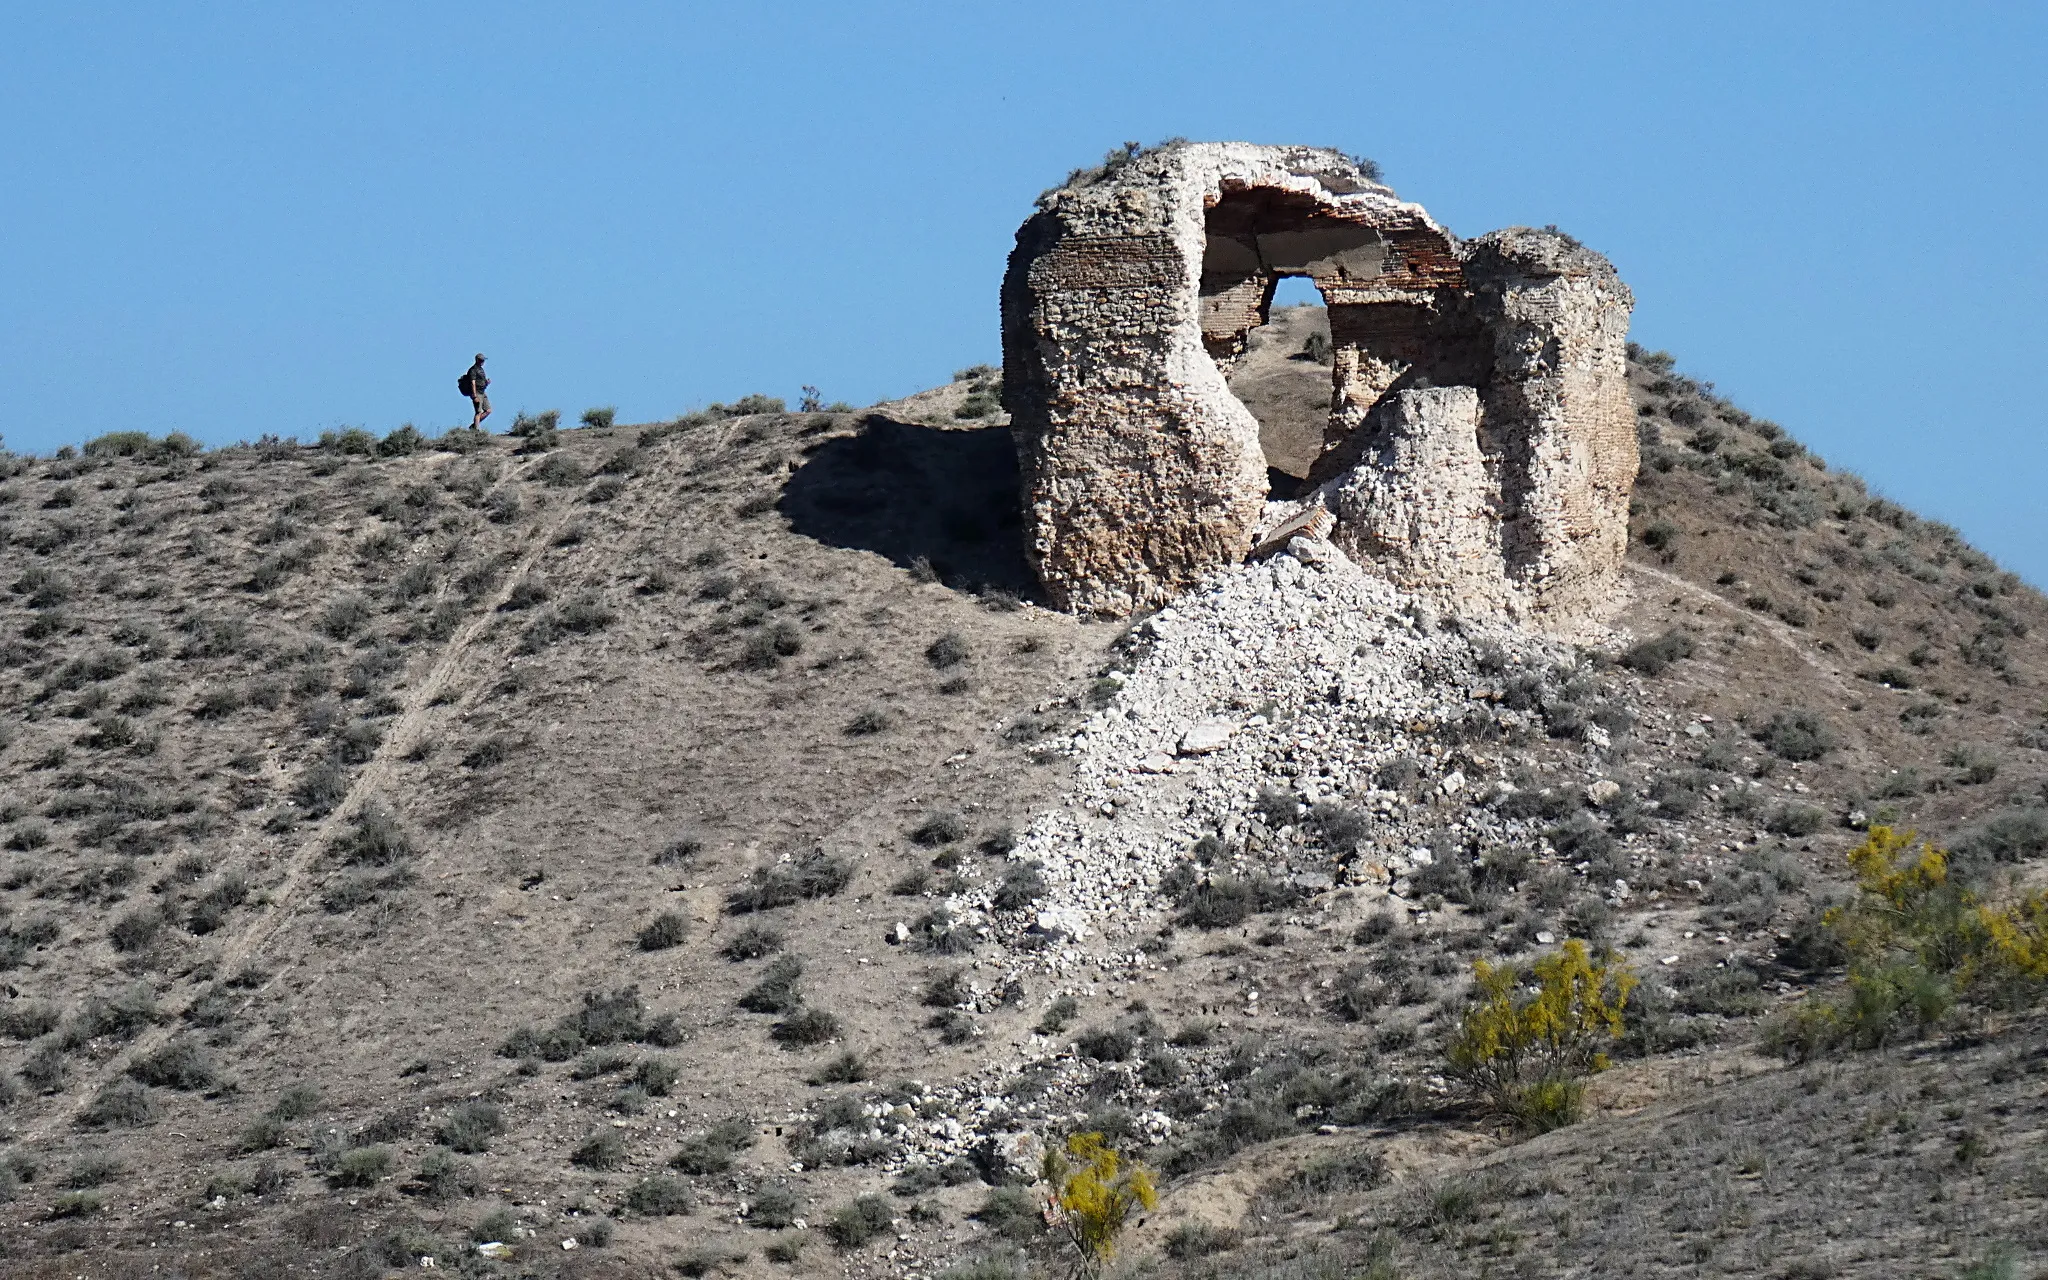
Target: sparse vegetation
x,y
713,1150
1919,939
752,943
853,1225
669,929
814,875
471,1126
658,1197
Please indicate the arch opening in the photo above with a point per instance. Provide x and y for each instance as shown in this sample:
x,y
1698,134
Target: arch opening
x,y
1264,319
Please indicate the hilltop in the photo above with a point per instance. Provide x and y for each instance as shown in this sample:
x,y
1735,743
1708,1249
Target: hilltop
x,y
647,837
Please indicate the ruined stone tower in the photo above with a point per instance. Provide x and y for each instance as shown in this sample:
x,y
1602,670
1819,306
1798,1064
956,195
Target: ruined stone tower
x,y
1480,447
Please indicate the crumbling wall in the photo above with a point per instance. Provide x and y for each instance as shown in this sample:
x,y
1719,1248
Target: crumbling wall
x,y
1134,288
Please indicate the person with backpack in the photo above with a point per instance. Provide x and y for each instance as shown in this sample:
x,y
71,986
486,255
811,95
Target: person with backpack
x,y
472,384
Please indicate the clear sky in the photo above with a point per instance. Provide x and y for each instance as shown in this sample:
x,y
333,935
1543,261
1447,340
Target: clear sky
x,y
231,219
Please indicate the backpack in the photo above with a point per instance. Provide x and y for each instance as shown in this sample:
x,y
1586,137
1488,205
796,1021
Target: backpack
x,y
465,384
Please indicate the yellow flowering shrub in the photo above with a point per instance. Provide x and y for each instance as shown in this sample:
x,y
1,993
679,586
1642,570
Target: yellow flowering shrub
x,y
1918,941
1529,1041
1093,1190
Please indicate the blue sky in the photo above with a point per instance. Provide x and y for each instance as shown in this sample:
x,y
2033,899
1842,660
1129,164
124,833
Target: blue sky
x,y
233,219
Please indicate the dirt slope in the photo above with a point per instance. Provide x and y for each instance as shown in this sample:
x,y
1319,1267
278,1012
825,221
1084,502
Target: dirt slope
x,y
327,774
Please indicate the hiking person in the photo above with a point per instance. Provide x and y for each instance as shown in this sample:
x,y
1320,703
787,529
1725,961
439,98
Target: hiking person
x,y
472,384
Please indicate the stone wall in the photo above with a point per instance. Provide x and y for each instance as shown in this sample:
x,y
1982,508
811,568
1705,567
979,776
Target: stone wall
x,y
1133,288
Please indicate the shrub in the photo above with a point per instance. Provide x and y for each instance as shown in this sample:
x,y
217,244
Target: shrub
x,y
603,1149
1022,884
949,650
27,1019
1797,735
666,930
853,1225
679,851
361,1167
1095,1191
126,1104
1918,940
1355,994
45,1069
1654,657
872,721
374,839
123,1015
773,1208
937,932
587,614
1058,1015
713,1150
471,1126
947,989
1526,1052
2010,835
752,942
814,875
805,1028
600,417
938,829
1359,1169
136,930
1974,766
1796,820
493,750
320,788
778,990
1199,1239
402,443
1011,1212
118,444
1221,902
600,1063
847,1068
1107,1044
768,647
657,1076
658,1197
178,1065
345,616
76,1204
93,1171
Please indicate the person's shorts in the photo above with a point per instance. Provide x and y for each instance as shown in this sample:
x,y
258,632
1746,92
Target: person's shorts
x,y
481,401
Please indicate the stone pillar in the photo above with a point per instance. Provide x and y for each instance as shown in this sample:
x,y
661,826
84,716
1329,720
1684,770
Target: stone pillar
x,y
1419,503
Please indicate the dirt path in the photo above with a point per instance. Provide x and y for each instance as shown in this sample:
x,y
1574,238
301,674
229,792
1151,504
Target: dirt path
x,y
1778,631
282,900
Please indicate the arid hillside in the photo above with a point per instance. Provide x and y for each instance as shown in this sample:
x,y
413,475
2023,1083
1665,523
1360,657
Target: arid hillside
x,y
605,847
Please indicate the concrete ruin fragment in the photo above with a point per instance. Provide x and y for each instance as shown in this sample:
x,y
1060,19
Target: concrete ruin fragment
x,y
1480,448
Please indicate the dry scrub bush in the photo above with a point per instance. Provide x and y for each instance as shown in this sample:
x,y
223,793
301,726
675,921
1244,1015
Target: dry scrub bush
x,y
1919,940
1527,1051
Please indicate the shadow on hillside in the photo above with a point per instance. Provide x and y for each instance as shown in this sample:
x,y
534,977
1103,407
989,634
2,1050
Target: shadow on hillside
x,y
912,492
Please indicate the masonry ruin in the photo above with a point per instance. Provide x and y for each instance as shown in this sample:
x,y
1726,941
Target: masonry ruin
x,y
1481,446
